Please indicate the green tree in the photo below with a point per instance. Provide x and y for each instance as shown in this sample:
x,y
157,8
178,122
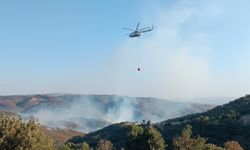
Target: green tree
x,y
185,142
212,147
147,138
135,131
63,147
85,146
15,134
232,145
104,145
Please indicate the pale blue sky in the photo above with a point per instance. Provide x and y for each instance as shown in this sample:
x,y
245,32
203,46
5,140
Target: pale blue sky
x,y
198,49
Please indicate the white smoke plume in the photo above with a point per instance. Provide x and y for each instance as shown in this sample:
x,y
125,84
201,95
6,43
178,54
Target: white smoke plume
x,y
179,59
90,113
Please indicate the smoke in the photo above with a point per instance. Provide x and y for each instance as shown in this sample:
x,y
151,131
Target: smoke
x,y
182,57
173,66
123,111
87,113
90,113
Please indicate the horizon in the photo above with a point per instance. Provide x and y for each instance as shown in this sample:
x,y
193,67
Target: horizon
x,y
198,50
197,100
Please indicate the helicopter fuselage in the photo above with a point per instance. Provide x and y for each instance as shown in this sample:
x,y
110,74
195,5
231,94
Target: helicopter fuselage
x,y
135,34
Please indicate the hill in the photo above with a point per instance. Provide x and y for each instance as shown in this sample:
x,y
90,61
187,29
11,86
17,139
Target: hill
x,y
230,121
226,122
60,136
92,112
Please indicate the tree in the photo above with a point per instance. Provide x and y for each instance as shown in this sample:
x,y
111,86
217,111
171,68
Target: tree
x,y
85,146
63,147
134,137
16,134
154,139
232,145
104,145
147,138
212,147
185,142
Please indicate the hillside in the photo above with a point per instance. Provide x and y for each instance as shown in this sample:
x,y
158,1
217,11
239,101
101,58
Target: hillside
x,y
226,122
60,136
92,112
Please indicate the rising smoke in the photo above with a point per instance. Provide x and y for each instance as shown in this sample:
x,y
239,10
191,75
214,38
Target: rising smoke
x,y
89,113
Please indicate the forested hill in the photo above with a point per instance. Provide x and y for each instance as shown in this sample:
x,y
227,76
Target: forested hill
x,y
226,122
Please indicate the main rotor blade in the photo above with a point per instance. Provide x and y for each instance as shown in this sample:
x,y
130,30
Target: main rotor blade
x,y
137,26
147,29
128,29
144,28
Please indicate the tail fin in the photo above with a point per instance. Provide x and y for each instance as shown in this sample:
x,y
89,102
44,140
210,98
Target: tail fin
x,y
137,26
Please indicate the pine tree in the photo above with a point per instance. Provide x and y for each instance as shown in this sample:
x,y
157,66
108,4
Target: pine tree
x,y
85,146
185,142
17,134
104,145
232,145
147,138
212,147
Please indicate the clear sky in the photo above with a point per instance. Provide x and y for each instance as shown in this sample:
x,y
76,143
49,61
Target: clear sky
x,y
198,49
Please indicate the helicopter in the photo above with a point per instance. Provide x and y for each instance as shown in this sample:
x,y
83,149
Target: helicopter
x,y
137,32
